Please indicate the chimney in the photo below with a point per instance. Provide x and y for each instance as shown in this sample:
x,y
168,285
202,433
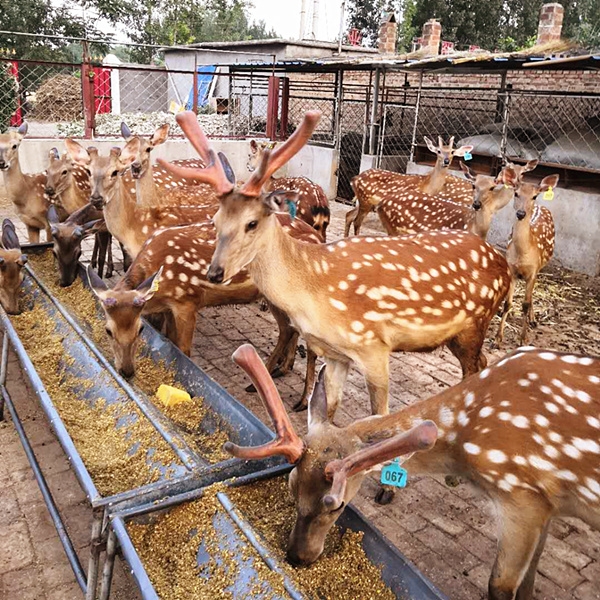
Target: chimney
x,y
550,26
432,34
388,33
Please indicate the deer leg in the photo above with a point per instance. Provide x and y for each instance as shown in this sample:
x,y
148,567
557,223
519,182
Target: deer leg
x,y
362,212
505,310
184,319
528,315
126,258
103,240
523,520
110,266
335,377
309,381
377,376
286,344
94,261
525,591
350,216
48,233
466,346
33,234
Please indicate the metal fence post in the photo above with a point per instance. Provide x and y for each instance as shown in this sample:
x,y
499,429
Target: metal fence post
x,y
195,85
374,111
339,99
414,133
285,107
505,116
272,107
87,93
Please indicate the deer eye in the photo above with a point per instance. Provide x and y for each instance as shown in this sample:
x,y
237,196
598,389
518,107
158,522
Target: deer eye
x,y
148,149
114,173
141,329
14,147
109,332
64,172
252,225
88,172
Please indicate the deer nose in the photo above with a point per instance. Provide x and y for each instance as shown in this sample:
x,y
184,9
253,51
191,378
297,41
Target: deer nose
x,y
520,215
97,201
476,204
215,274
49,191
446,162
127,372
3,165
295,560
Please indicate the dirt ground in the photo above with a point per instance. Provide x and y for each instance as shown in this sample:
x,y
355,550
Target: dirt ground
x,y
448,533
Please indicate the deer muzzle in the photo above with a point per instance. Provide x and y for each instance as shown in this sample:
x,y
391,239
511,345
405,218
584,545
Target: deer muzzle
x,y
521,214
215,274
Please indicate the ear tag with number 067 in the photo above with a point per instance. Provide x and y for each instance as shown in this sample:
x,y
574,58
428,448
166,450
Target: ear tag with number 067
x,y
549,194
394,475
467,156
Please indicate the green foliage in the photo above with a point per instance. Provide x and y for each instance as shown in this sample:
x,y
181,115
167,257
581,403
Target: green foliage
x,y
8,93
365,15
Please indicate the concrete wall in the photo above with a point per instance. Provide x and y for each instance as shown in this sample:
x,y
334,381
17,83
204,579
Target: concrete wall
x,y
576,220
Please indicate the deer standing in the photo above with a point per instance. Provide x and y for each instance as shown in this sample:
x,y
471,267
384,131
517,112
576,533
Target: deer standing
x,y
407,212
356,300
525,431
67,186
25,191
529,249
373,185
312,206
12,262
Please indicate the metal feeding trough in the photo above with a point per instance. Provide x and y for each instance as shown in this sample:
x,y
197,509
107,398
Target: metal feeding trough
x,y
91,377
236,536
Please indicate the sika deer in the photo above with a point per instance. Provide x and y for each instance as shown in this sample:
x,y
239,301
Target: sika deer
x,y
12,262
312,206
373,185
530,248
408,213
525,431
169,275
67,186
356,300
26,192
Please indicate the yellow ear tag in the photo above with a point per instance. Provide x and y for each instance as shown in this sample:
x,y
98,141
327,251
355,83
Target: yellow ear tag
x,y
154,286
548,194
506,186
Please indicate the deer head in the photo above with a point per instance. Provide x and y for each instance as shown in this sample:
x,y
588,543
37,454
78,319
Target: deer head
x,y
526,193
123,310
67,238
9,146
256,152
12,262
141,163
491,193
446,152
58,174
330,463
103,171
520,170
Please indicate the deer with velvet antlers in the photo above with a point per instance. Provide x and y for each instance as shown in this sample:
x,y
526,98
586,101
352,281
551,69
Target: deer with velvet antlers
x,y
373,185
359,299
525,431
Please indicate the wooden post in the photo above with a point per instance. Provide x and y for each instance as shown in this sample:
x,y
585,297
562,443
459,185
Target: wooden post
x,y
87,92
285,105
272,107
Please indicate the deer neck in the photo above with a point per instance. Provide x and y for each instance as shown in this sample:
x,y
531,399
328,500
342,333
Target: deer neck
x,y
74,197
521,235
145,188
16,183
120,217
479,221
434,181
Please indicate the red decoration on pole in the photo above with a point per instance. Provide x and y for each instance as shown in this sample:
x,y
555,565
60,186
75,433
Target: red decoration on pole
x,y
17,117
447,47
354,37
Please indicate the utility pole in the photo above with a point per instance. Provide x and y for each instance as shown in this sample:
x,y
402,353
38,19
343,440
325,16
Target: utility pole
x,y
315,18
302,19
342,17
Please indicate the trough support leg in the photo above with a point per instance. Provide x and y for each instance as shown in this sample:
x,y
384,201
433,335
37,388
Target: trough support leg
x,y
109,565
95,549
3,370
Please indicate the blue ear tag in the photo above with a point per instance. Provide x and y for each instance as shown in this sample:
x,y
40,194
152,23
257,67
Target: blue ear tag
x,y
467,156
292,209
394,475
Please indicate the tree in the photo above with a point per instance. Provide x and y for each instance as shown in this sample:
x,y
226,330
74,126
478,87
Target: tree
x,y
365,15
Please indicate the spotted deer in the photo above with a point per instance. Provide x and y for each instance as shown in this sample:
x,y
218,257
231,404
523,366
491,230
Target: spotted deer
x,y
407,212
525,431
529,249
312,206
169,275
131,224
66,185
25,191
12,261
356,300
373,185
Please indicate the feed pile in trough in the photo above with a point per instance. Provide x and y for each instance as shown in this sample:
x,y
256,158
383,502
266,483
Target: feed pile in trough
x,y
150,374
342,571
58,99
114,440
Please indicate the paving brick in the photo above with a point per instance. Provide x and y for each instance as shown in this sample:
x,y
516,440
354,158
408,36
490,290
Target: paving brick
x,y
592,572
16,551
57,574
587,591
10,511
446,546
545,589
15,583
559,572
564,552
65,592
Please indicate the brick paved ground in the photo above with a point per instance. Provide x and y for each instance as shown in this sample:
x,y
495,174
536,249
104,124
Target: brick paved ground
x,y
447,533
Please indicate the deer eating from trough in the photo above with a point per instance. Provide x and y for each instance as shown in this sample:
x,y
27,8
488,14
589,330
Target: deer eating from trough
x,y
372,186
12,261
359,299
312,205
525,431
407,212
530,247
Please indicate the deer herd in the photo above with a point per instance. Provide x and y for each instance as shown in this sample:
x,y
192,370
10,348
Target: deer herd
x,y
525,430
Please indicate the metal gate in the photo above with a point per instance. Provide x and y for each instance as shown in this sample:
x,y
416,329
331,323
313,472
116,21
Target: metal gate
x,y
102,91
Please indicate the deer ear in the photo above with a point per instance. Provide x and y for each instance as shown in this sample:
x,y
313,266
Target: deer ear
x,y
432,147
23,128
282,201
52,215
98,286
130,151
463,150
53,154
253,146
160,135
147,288
469,174
508,176
548,182
10,239
227,168
317,404
125,131
92,225
530,165
79,155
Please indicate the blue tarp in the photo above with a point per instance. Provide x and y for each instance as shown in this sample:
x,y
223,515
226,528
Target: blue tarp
x,y
205,77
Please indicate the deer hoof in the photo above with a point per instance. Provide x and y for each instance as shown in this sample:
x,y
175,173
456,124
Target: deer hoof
x,y
300,405
452,481
533,324
277,372
301,351
263,306
384,495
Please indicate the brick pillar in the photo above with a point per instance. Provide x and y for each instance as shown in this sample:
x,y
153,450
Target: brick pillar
x,y
388,34
550,25
432,34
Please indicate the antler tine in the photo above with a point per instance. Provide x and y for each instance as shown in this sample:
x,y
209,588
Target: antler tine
x,y
420,437
283,154
193,132
287,443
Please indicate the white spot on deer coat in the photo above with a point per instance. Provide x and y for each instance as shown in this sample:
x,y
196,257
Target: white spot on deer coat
x,y
337,304
486,411
520,421
471,448
496,456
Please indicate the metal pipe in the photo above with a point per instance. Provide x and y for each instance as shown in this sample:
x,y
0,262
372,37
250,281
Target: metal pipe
x,y
341,32
45,490
95,547
3,369
109,565
315,19
374,110
414,133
